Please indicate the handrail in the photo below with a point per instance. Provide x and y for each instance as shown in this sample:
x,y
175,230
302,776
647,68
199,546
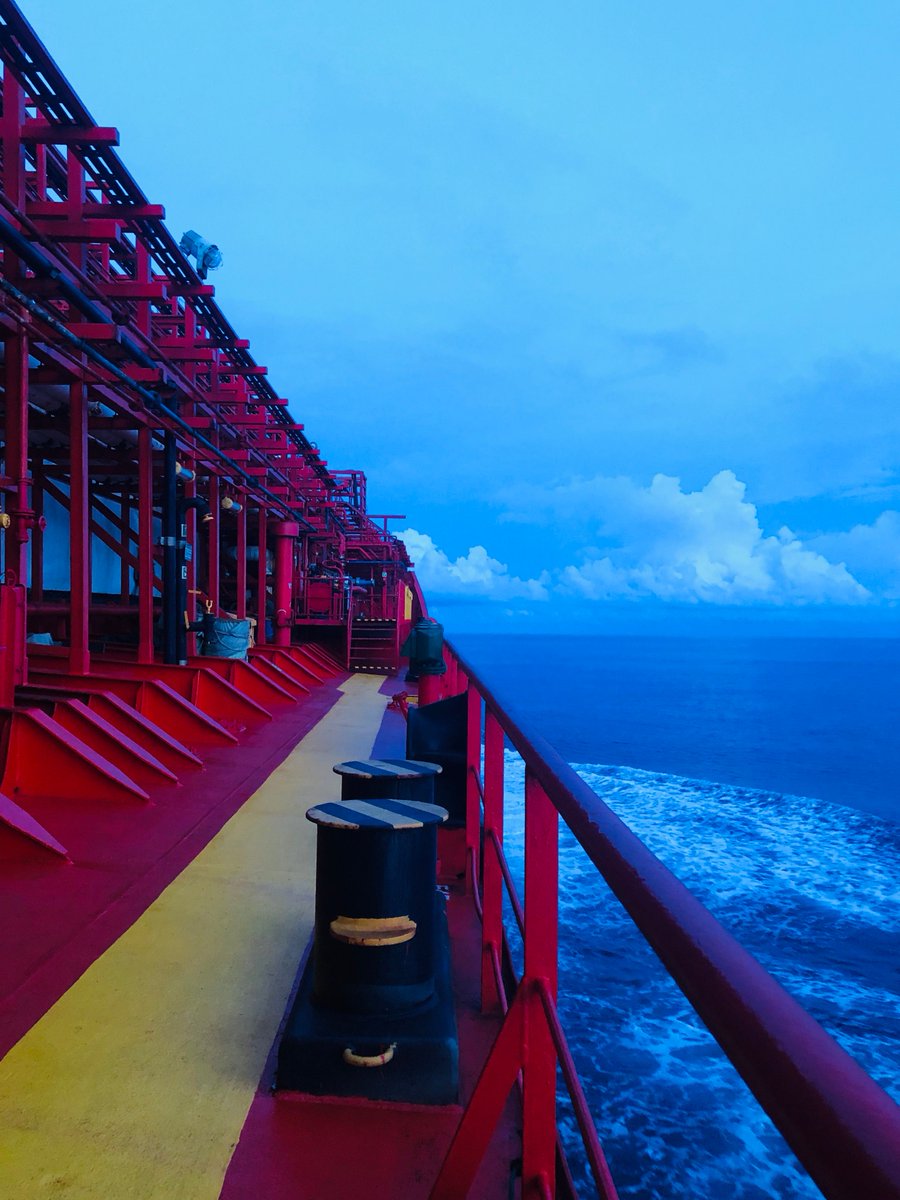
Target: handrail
x,y
841,1125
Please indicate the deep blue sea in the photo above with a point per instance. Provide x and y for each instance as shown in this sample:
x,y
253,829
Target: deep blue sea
x,y
766,774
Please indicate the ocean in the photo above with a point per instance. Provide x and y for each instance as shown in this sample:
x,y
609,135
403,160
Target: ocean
x,y
764,773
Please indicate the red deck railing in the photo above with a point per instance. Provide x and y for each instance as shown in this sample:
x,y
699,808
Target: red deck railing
x,y
842,1126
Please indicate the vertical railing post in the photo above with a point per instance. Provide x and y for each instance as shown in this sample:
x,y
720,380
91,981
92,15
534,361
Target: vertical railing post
x,y
473,800
541,920
492,878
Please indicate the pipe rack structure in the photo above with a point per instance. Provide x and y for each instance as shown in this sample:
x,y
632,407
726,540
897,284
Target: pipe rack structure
x,y
118,369
152,475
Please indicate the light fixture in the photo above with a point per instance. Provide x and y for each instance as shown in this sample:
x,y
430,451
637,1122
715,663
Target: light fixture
x,y
208,255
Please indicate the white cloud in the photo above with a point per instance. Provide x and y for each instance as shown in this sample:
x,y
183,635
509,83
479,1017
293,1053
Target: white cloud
x,y
871,551
473,574
688,546
661,541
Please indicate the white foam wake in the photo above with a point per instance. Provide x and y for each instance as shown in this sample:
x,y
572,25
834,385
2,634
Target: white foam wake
x,y
811,888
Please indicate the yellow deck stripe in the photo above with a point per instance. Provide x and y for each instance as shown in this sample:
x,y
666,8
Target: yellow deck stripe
x,y
135,1085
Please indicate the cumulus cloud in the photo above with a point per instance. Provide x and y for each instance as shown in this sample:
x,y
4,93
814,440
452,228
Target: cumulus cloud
x,y
662,541
673,544
871,552
474,574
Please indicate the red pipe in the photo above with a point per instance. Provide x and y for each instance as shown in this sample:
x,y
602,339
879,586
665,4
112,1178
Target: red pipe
x,y
284,532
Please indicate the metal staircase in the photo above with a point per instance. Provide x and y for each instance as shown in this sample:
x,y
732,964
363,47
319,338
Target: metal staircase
x,y
373,645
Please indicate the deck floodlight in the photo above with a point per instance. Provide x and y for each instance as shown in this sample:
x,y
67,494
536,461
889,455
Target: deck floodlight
x,y
230,505
185,474
208,255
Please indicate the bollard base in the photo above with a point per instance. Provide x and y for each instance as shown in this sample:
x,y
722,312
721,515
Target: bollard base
x,y
423,1067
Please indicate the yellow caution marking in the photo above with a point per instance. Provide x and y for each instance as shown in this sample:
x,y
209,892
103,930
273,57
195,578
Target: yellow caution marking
x,y
136,1084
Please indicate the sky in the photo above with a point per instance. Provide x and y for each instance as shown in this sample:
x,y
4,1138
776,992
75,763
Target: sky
x,y
603,297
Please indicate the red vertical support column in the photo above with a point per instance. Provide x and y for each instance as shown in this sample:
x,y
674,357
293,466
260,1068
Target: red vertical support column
x,y
146,575
492,878
13,159
213,545
261,580
142,318
285,532
241,565
75,197
37,532
541,919
12,642
473,800
79,531
15,376
16,454
125,561
189,520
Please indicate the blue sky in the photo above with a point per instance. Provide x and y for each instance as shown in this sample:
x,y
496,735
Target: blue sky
x,y
604,297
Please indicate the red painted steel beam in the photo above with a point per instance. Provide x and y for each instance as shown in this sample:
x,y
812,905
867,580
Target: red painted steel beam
x,y
92,230
53,209
132,289
95,331
841,1125
69,135
191,290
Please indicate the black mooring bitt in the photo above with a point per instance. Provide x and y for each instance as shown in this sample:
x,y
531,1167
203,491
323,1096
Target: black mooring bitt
x,y
374,1014
420,1049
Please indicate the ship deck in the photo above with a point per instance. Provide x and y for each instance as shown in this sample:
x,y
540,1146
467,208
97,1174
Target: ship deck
x,y
145,988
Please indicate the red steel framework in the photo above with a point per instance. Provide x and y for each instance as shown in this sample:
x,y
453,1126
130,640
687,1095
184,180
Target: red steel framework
x,y
841,1125
119,366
